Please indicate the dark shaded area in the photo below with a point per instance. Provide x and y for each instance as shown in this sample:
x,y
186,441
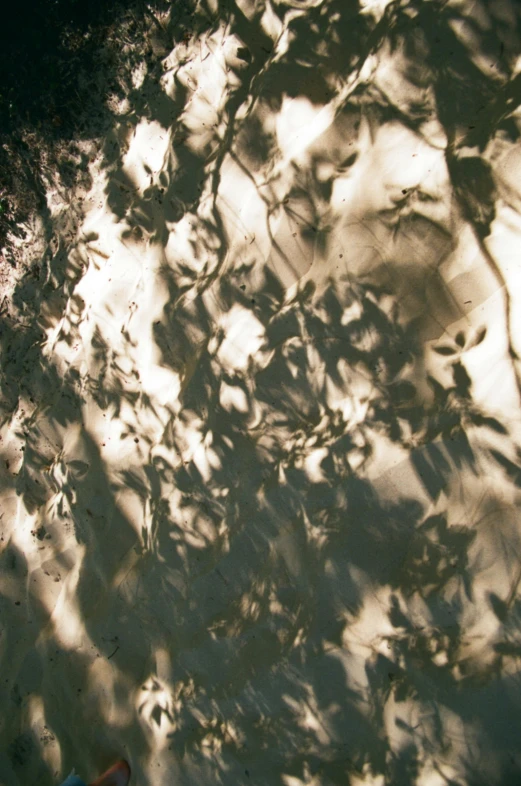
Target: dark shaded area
x,y
49,47
61,63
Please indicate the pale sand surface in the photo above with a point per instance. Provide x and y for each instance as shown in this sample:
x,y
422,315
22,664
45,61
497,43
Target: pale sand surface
x,y
215,560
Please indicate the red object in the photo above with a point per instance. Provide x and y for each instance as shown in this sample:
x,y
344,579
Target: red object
x,y
117,775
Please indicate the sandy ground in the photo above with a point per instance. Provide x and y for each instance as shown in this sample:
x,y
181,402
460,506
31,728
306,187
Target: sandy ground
x,y
215,559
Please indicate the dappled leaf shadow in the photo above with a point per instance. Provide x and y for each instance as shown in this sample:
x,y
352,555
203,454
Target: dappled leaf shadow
x,y
302,562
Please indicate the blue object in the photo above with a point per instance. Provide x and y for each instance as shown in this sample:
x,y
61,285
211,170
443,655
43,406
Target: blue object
x,y
73,780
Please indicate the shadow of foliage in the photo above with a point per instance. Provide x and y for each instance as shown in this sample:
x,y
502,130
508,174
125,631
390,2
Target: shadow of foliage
x,y
279,544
